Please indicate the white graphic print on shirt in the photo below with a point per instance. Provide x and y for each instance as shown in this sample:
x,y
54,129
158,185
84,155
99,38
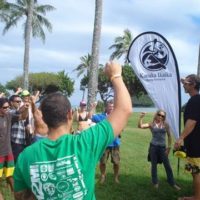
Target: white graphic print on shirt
x,y
58,179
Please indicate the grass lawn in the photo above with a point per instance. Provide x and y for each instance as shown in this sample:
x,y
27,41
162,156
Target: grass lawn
x,y
135,178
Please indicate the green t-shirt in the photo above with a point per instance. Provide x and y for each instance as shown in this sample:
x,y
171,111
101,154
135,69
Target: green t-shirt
x,y
64,168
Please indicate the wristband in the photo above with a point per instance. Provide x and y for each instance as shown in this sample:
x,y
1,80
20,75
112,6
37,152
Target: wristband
x,y
115,76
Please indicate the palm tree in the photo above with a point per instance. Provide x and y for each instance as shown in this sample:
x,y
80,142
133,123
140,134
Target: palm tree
x,y
84,65
93,69
83,68
3,9
121,45
34,23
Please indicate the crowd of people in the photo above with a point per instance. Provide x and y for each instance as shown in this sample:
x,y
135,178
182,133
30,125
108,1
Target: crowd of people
x,y
48,159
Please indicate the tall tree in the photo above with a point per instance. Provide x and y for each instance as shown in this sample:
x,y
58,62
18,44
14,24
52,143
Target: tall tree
x,y
35,21
83,67
93,69
121,45
40,81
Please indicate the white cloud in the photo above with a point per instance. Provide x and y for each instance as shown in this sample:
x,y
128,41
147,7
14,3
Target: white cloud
x,y
73,26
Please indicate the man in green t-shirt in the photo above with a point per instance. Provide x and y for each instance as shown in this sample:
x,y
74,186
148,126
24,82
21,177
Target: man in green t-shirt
x,y
62,166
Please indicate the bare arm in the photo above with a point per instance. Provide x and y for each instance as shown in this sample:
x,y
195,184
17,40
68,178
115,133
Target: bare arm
x,y
40,126
24,111
122,101
140,122
24,195
189,126
18,91
2,94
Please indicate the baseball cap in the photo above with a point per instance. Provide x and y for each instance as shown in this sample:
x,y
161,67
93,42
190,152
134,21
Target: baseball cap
x,y
25,93
83,103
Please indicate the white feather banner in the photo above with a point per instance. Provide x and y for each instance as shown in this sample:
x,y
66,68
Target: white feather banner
x,y
154,63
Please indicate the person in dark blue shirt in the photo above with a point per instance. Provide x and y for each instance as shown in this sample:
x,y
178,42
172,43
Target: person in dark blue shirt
x,y
112,150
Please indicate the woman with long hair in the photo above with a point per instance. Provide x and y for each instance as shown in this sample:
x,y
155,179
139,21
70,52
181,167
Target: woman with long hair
x,y
158,151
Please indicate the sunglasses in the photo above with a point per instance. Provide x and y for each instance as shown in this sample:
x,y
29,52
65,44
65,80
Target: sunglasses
x,y
18,101
5,107
187,83
184,82
163,116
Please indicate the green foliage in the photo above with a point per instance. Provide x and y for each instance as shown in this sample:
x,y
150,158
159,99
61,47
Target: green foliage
x,y
142,101
3,11
100,107
40,81
131,81
3,90
66,85
83,67
104,86
105,91
121,45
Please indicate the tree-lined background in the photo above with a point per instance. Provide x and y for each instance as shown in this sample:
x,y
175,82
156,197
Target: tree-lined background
x,y
90,70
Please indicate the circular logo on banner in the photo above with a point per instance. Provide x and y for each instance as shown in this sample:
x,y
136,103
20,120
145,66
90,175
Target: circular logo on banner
x,y
154,55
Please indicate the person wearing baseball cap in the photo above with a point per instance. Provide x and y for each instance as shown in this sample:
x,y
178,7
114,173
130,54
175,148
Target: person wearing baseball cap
x,y
190,135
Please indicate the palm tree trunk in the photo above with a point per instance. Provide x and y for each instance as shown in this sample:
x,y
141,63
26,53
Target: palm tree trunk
x,y
93,69
28,29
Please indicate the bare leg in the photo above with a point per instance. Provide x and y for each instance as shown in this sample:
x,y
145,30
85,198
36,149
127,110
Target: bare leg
x,y
10,182
116,172
196,185
102,167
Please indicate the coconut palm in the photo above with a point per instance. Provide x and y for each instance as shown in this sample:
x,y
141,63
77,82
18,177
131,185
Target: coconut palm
x,y
3,9
93,69
35,21
121,45
83,67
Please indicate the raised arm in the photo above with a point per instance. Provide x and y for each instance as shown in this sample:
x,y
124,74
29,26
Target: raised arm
x,y
140,122
2,94
122,101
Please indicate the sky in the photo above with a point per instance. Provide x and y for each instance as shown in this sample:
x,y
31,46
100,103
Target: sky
x,y
178,21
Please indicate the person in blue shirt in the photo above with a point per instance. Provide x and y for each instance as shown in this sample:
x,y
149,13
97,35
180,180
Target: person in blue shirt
x,y
112,149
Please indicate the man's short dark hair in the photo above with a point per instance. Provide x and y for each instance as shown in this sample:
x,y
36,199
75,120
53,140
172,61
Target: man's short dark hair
x,y
3,101
194,79
54,109
12,98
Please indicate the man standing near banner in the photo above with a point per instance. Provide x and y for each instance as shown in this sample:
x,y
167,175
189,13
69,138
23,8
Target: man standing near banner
x,y
191,133
112,149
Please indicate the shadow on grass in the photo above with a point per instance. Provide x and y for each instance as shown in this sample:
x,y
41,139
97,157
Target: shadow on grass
x,y
5,190
139,188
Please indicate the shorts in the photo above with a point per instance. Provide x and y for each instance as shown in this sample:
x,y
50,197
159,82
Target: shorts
x,y
113,152
6,165
193,165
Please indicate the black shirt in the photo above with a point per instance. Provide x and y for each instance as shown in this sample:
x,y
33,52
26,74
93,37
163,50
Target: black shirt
x,y
192,141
